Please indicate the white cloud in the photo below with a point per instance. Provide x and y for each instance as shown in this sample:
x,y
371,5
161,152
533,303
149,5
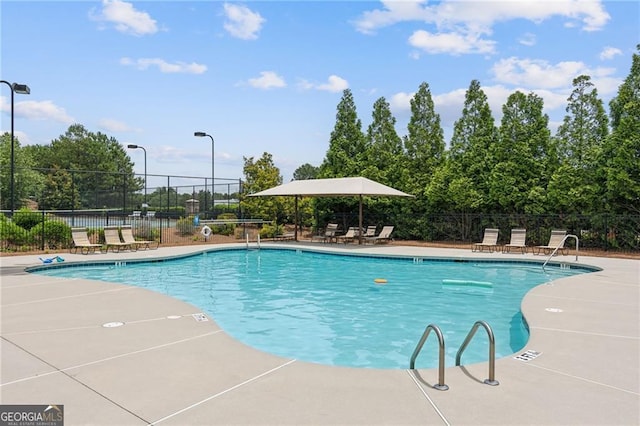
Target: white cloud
x,y
37,110
527,39
267,80
164,66
334,84
462,27
126,18
452,43
537,73
112,125
480,16
609,53
242,22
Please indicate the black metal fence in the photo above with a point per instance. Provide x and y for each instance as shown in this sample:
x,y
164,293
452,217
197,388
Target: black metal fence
x,y
51,230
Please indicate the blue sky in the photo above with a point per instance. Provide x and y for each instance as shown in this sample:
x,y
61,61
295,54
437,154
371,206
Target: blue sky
x,y
267,75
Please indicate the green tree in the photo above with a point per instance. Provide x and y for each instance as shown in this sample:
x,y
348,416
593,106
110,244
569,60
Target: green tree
x,y
473,135
96,162
259,175
346,152
573,187
424,144
621,153
27,183
306,171
383,146
520,173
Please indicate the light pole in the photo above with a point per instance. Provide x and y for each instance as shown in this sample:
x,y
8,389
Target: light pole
x,y
23,89
133,146
201,135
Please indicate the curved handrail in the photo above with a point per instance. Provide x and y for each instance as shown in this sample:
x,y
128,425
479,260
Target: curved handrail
x,y
440,385
561,244
492,350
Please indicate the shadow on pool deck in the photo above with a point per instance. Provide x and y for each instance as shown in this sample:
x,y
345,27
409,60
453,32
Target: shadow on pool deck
x,y
163,366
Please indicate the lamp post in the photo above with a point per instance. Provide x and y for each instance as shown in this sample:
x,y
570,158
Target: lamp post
x,y
201,135
23,89
133,146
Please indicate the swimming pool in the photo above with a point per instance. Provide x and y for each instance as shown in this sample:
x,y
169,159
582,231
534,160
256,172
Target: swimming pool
x,y
326,308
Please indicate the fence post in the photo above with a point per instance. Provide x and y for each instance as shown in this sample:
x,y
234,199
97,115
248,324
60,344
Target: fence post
x,y
43,232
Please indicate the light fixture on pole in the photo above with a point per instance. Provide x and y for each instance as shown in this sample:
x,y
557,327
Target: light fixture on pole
x,y
22,89
133,146
201,135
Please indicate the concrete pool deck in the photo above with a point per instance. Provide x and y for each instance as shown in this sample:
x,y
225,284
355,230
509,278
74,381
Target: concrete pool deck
x,y
165,367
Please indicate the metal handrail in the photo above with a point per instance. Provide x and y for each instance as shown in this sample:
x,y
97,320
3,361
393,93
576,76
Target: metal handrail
x,y
440,385
561,244
492,350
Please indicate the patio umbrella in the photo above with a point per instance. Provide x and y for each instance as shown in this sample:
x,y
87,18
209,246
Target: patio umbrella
x,y
335,187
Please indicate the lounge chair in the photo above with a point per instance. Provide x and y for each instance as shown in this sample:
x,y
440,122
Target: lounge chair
x,y
81,241
137,214
370,231
555,241
489,241
328,235
383,236
518,241
350,235
112,240
128,238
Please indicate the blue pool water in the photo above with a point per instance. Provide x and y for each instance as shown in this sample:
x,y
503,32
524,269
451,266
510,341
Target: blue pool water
x,y
327,309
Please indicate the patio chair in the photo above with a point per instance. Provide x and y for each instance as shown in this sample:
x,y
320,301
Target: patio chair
x,y
370,231
350,235
128,238
81,242
489,241
555,241
113,241
137,214
383,236
518,241
329,234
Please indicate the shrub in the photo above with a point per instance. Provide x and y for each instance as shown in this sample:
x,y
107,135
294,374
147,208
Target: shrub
x,y
271,230
185,226
26,218
12,234
56,234
226,229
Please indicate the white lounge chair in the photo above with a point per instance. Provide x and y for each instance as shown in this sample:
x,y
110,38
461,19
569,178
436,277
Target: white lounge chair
x,y
81,242
555,241
383,236
489,241
128,238
113,241
518,241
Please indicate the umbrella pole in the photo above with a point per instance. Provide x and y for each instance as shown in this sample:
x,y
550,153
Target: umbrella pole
x,y
295,220
360,222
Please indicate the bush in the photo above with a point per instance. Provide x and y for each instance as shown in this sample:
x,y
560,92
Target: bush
x,y
185,226
27,219
56,235
226,229
271,230
12,234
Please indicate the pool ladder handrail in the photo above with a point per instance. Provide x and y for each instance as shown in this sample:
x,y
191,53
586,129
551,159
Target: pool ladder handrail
x,y
257,242
440,385
492,350
561,244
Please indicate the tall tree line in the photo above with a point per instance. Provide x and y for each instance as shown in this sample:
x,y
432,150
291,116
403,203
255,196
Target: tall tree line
x,y
590,166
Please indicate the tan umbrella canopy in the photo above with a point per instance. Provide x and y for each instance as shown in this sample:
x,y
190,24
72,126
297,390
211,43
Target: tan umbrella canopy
x,y
336,187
